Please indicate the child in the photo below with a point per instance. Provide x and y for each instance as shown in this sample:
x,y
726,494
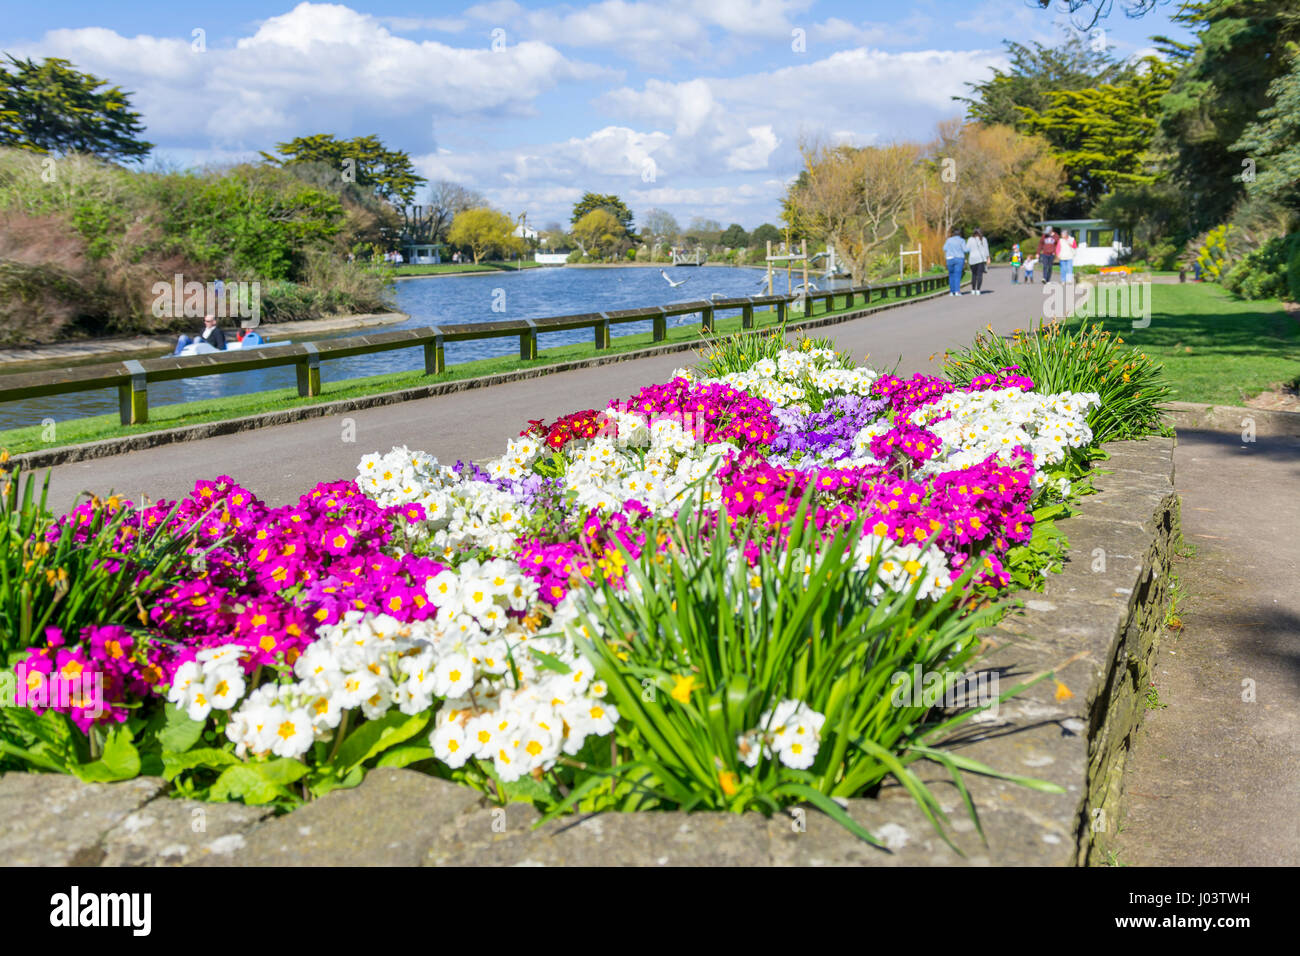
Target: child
x,y
1029,268
1015,263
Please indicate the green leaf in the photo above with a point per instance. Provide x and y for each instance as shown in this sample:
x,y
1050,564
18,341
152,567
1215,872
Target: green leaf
x,y
121,761
404,756
325,784
178,732
209,758
258,783
376,736
550,661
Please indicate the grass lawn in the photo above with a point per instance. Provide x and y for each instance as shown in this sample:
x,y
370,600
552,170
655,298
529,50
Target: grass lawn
x,y
1215,348
76,431
447,268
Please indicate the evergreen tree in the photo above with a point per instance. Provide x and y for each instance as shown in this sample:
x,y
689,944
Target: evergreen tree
x,y
363,160
1241,50
1272,143
1103,134
1034,75
52,108
611,203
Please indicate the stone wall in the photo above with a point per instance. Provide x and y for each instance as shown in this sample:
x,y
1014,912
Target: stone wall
x,y
1096,625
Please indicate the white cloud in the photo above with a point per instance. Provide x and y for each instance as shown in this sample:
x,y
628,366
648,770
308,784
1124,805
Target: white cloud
x,y
655,34
754,155
316,67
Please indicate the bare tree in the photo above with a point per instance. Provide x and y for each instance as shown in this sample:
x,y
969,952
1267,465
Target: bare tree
x,y
660,224
446,201
858,199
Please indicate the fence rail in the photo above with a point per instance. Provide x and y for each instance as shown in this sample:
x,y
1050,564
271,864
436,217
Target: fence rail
x,y
132,377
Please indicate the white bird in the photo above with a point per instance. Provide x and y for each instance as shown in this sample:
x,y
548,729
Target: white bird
x,y
670,281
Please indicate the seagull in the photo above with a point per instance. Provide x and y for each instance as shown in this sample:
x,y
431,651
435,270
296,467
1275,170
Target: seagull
x,y
670,281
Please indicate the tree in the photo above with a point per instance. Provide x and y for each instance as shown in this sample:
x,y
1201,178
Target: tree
x,y
611,204
857,199
986,176
484,230
363,160
763,233
734,237
443,203
1272,143
1036,73
1241,50
52,108
703,232
1086,13
599,233
658,224
1103,134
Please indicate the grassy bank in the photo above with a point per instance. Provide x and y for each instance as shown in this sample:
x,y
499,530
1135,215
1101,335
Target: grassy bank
x,y
452,268
79,430
1216,348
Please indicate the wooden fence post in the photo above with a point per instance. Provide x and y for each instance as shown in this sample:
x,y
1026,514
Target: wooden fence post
x,y
602,332
706,319
659,326
133,399
747,314
308,368
435,354
528,341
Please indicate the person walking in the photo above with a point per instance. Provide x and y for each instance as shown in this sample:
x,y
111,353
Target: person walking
x,y
954,251
1047,252
1015,263
978,247
1065,247
1029,269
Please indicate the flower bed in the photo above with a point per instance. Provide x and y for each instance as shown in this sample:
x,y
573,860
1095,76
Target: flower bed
x,y
711,594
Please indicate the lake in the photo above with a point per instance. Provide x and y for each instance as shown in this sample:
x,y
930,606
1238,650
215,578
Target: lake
x,y
467,297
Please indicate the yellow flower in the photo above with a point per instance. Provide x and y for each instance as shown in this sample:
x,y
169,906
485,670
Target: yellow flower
x,y
729,781
682,687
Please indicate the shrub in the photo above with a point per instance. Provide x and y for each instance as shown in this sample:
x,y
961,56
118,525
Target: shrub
x,y
1262,274
1293,271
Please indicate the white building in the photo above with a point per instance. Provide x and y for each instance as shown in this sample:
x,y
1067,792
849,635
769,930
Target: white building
x,y
1100,243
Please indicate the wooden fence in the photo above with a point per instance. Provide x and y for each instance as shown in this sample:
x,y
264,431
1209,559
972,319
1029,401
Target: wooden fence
x,y
132,377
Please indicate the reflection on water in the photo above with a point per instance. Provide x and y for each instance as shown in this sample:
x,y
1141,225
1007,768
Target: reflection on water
x,y
531,294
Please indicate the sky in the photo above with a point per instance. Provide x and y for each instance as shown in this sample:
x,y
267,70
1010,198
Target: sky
x,y
693,106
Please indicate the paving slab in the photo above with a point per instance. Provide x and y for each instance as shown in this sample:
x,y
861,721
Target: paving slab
x,y
56,820
1215,772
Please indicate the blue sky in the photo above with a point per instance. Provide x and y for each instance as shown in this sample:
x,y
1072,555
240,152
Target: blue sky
x,y
695,106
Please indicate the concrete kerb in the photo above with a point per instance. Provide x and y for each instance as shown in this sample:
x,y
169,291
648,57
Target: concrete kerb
x,y
152,439
1095,626
1232,418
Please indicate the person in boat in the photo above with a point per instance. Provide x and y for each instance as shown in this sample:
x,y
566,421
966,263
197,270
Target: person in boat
x,y
211,334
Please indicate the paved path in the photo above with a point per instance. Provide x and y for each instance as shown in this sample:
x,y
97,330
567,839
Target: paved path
x,y
281,462
1214,776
